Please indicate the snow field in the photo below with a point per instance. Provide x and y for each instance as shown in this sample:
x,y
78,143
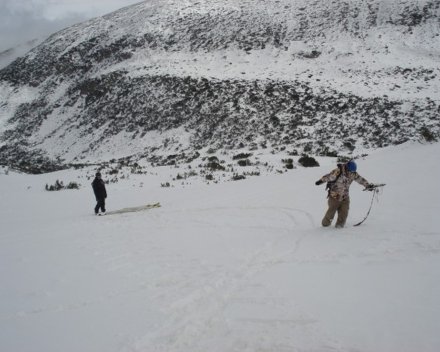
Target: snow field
x,y
237,266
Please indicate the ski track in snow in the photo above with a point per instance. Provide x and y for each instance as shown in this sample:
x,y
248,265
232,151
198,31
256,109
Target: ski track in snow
x,y
219,288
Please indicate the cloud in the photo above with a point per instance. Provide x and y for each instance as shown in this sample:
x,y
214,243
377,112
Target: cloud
x,y
21,21
25,20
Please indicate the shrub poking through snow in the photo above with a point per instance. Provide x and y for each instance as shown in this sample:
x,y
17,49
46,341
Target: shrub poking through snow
x,y
72,185
428,135
245,162
237,177
59,185
215,166
289,163
242,156
308,161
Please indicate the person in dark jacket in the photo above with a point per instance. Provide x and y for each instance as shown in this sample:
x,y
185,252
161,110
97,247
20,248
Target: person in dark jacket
x,y
100,193
339,198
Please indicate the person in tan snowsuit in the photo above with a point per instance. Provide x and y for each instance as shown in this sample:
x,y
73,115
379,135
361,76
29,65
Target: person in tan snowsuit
x,y
340,180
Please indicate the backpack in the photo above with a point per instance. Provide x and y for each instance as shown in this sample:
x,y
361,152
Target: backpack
x,y
330,184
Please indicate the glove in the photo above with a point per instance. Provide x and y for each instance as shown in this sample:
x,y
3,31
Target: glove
x,y
319,182
371,186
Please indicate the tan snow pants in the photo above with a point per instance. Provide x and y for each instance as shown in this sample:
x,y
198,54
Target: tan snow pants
x,y
336,206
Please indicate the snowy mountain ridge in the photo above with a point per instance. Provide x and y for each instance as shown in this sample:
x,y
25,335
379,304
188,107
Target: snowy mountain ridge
x,y
165,78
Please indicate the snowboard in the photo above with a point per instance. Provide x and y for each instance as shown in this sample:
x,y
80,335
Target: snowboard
x,y
132,209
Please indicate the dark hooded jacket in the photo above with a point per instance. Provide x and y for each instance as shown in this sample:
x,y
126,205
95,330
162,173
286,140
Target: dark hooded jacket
x,y
99,188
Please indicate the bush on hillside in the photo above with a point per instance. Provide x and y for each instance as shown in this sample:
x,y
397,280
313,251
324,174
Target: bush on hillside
x,y
428,135
308,161
237,177
215,166
241,156
59,185
245,162
289,163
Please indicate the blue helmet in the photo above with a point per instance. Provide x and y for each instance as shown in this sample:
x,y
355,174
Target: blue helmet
x,y
351,166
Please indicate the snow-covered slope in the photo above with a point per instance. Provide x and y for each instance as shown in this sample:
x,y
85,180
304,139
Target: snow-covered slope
x,y
172,77
237,266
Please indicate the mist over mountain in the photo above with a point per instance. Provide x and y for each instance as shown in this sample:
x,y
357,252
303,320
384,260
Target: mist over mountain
x,y
8,56
171,78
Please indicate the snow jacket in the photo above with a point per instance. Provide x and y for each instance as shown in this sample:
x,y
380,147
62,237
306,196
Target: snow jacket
x,y
340,189
98,186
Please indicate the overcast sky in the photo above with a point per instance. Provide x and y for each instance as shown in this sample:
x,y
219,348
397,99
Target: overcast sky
x,y
24,20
